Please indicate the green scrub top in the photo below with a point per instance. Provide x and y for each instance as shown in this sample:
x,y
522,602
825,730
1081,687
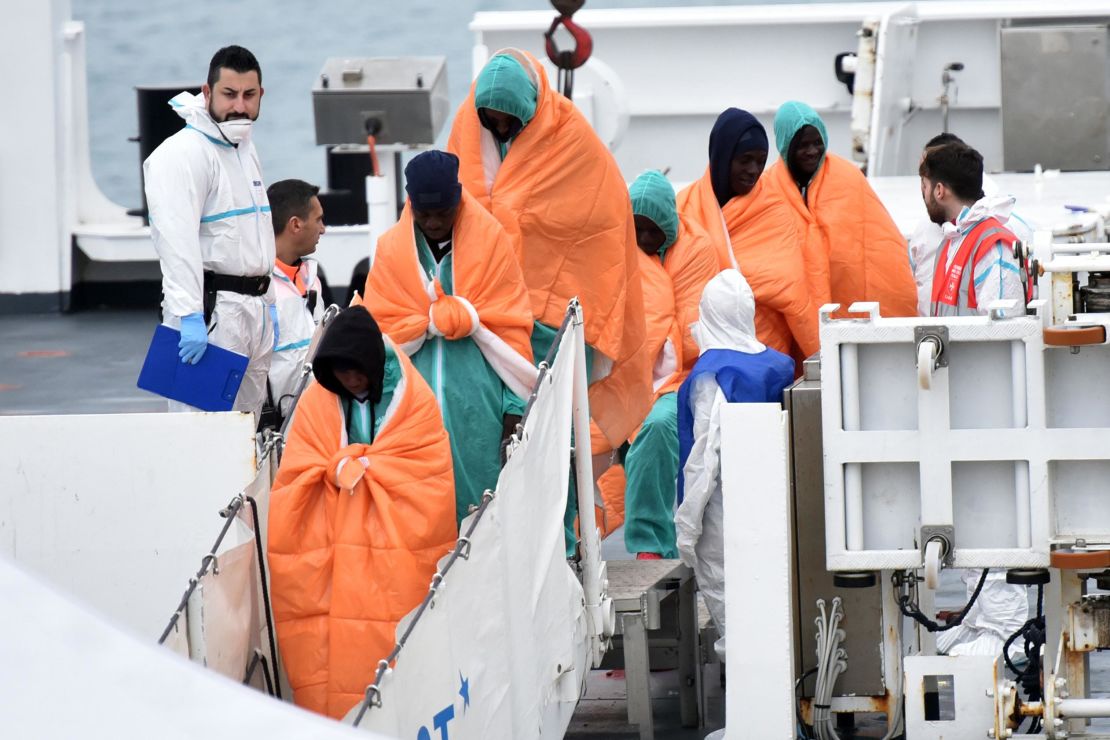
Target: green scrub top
x,y
472,397
357,414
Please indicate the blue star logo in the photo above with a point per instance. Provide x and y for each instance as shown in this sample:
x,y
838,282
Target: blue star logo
x,y
464,691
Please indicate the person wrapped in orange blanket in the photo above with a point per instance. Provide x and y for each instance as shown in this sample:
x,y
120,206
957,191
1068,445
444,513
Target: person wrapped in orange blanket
x,y
445,285
852,247
528,155
677,259
754,232
361,510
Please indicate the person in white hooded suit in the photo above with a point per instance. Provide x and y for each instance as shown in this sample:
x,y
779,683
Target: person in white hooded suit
x,y
733,367
210,222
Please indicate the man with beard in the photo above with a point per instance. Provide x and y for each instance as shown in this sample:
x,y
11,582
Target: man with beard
x,y
210,221
926,239
975,264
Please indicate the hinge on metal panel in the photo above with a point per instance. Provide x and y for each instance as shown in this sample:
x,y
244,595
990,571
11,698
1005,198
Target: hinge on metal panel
x,y
649,608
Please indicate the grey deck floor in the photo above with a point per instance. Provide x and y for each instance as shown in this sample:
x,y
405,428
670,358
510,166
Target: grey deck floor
x,y
82,363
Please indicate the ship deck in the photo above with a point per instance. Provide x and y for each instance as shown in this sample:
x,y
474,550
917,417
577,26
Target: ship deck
x,y
87,363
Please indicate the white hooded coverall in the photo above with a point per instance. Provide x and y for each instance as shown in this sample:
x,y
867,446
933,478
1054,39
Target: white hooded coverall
x,y
209,211
726,322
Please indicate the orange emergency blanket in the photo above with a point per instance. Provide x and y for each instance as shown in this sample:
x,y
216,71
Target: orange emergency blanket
x,y
486,278
756,233
852,247
664,338
563,200
347,565
691,262
664,335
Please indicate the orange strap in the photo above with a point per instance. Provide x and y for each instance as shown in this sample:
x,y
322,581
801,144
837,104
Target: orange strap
x,y
946,290
1079,559
1060,336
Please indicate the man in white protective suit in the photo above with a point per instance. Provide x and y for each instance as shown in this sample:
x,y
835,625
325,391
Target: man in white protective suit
x,y
733,367
210,221
1000,610
298,225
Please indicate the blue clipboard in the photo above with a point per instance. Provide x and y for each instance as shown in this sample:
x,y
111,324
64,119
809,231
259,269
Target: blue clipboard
x,y
209,385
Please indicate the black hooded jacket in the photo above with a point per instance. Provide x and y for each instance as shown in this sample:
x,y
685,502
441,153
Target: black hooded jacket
x,y
352,341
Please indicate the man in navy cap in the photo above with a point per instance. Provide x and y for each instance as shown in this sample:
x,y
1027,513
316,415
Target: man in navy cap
x,y
445,285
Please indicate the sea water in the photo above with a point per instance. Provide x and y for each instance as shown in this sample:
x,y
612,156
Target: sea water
x,y
145,42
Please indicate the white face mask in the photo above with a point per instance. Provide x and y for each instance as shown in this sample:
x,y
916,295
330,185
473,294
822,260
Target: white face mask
x,y
236,130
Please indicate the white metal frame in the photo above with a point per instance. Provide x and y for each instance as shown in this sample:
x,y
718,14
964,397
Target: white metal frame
x,y
759,598
935,445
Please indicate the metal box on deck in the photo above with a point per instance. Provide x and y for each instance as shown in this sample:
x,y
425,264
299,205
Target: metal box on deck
x,y
862,607
406,95
1056,97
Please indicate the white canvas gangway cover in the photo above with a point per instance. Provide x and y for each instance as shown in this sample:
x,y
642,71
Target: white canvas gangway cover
x,y
222,622
67,673
504,646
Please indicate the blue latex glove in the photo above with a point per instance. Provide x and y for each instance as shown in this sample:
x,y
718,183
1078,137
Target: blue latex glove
x,y
194,338
274,321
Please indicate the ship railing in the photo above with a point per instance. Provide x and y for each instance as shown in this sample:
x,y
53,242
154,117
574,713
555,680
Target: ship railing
x,y
241,646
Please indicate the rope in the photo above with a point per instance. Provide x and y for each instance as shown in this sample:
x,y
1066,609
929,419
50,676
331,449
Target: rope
x,y
259,659
548,361
911,610
265,590
1034,633
372,695
306,370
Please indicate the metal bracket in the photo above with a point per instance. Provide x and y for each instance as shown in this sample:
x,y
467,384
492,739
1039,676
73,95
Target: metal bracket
x,y
999,309
649,608
215,563
944,532
937,333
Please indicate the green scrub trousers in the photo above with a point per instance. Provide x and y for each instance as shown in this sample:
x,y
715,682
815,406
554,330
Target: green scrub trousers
x,y
651,469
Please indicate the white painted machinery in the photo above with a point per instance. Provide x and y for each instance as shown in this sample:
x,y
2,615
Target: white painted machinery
x,y
966,443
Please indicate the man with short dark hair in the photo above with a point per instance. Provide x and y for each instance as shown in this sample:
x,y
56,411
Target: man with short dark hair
x,y
298,225
210,221
975,264
927,237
